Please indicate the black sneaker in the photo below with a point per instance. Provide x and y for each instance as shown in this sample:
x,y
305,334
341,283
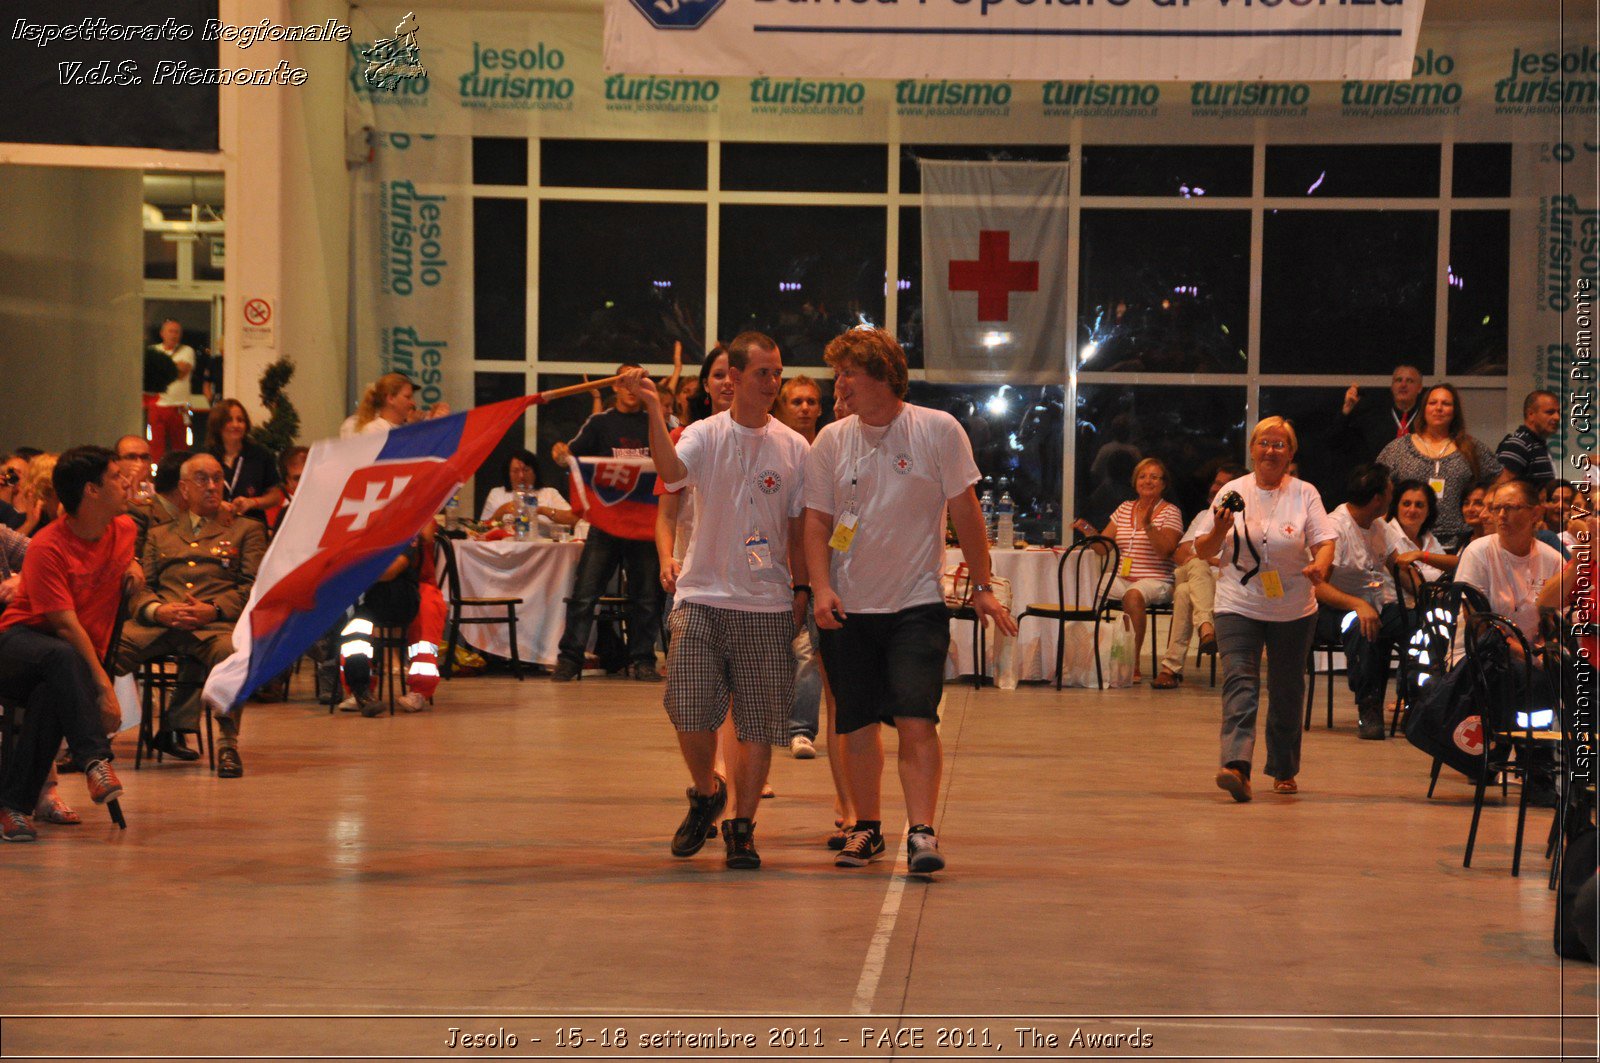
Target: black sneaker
x,y
740,837
861,848
644,672
565,672
922,851
699,824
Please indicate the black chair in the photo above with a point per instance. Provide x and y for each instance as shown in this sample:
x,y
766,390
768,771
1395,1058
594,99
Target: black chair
x,y
1429,648
1515,734
1327,647
1151,612
388,660
159,682
1577,808
1085,598
980,630
451,583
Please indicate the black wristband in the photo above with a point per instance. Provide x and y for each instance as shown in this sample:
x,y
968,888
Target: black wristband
x,y
798,587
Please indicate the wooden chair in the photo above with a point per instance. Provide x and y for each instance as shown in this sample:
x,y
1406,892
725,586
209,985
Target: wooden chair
x,y
388,660
1084,602
452,591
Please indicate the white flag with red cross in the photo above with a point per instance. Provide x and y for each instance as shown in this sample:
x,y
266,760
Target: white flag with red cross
x,y
994,271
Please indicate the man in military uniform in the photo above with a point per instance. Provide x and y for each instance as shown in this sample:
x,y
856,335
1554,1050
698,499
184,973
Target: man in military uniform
x,y
198,574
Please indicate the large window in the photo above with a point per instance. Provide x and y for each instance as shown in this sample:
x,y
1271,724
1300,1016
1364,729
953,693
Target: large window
x,y
1214,283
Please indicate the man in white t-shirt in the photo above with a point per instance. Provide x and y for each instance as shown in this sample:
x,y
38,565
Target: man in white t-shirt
x,y
740,594
168,425
1357,604
877,487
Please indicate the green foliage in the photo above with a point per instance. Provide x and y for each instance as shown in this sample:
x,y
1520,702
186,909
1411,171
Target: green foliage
x,y
282,426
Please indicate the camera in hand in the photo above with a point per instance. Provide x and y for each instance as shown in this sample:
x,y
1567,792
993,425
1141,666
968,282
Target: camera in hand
x,y
1232,502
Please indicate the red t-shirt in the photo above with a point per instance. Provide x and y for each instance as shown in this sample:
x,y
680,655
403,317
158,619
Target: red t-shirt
x,y
63,571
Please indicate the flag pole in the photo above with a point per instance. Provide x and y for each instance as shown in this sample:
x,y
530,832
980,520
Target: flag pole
x,y
574,389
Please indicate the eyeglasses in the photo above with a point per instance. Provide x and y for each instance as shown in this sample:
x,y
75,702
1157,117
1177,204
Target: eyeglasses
x,y
1274,445
1505,507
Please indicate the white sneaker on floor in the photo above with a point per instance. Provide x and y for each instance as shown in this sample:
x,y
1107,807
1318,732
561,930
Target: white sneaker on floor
x,y
348,704
413,702
802,748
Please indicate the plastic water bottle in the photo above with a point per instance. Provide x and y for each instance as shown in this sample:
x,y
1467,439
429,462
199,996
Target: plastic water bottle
x,y
524,516
986,500
452,512
1004,513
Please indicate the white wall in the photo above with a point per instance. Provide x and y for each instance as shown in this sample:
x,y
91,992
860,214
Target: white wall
x,y
71,269
288,219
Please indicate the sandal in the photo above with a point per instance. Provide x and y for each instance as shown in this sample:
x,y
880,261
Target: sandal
x,y
54,810
1208,644
1166,680
1285,786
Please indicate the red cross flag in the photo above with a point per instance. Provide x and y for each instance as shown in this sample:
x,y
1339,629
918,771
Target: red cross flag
x,y
994,271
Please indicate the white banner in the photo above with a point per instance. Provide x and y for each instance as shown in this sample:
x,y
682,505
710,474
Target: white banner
x,y
1121,40
994,267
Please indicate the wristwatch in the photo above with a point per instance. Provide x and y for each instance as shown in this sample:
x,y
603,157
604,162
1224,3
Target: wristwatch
x,y
985,587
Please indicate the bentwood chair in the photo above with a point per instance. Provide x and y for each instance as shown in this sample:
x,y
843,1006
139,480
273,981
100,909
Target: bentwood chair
x,y
1083,580
483,611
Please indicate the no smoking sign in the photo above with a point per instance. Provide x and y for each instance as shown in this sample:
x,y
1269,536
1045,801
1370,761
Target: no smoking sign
x,y
259,331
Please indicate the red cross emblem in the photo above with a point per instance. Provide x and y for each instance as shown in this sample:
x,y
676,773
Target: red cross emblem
x,y
994,276
365,495
1469,735
769,482
902,463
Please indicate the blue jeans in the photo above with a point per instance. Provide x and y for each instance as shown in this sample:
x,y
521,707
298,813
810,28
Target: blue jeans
x,y
1239,643
603,554
60,699
807,708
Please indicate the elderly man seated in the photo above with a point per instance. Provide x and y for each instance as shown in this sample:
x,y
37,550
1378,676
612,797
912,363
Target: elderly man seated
x,y
198,574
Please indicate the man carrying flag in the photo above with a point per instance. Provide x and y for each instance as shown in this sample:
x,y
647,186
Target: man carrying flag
x,y
621,432
737,611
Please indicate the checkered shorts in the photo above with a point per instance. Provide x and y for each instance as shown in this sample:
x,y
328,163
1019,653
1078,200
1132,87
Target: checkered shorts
x,y
717,654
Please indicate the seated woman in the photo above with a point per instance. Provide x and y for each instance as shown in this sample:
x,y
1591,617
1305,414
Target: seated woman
x,y
1475,514
1146,530
389,402
1412,515
521,476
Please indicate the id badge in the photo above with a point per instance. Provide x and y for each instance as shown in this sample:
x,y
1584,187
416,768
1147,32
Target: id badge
x,y
1125,569
757,552
844,533
1271,584
1438,487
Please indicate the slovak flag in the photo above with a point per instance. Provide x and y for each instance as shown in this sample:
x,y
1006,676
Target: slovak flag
x,y
994,271
360,503
616,495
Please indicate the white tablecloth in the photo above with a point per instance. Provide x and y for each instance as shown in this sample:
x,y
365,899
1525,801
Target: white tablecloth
x,y
541,573
1033,579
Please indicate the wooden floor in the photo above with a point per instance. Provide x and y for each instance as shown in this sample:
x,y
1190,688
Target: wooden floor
x,y
501,863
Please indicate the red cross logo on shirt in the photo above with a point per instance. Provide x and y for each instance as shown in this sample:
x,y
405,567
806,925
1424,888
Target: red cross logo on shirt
x,y
769,482
994,276
902,463
365,495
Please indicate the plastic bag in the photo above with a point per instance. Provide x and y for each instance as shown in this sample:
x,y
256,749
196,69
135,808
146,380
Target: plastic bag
x,y
1119,652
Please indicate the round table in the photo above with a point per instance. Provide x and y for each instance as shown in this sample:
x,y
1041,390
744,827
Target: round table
x,y
1033,579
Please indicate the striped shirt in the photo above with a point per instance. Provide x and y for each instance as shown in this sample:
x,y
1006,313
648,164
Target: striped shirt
x,y
1146,562
1526,455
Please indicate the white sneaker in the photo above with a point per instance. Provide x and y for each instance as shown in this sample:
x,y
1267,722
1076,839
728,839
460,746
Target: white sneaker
x,y
348,704
413,702
802,748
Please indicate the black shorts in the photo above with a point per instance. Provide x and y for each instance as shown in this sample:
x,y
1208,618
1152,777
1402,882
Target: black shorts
x,y
883,665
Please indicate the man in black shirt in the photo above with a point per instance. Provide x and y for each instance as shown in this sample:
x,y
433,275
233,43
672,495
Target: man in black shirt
x,y
620,432
1365,428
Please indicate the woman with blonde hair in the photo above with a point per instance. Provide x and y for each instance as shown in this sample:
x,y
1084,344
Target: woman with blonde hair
x,y
1276,543
388,403
1146,529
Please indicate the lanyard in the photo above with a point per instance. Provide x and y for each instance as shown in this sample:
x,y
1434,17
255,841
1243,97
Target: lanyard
x,y
861,438
738,450
1402,426
1249,541
233,481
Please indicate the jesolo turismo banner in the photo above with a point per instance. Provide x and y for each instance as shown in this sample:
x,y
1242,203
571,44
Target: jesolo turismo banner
x,y
1122,40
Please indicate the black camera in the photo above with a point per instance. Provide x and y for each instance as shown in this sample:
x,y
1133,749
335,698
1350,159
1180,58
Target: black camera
x,y
1232,502
9,478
